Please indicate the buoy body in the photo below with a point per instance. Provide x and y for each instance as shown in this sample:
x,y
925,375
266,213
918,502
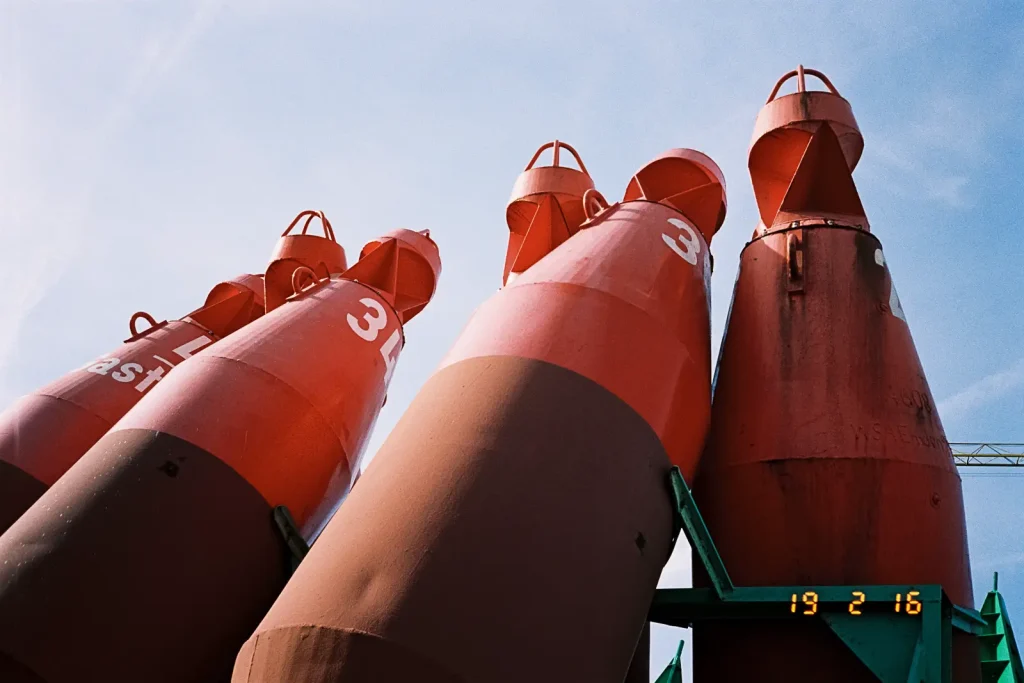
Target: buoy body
x,y
826,462
528,476
46,432
158,553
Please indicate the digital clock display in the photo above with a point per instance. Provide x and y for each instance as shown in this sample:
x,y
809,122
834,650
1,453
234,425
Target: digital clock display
x,y
900,603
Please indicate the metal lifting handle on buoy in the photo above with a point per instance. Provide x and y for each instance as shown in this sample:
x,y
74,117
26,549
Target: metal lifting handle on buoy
x,y
801,81
304,272
557,144
593,203
802,155
133,322
310,215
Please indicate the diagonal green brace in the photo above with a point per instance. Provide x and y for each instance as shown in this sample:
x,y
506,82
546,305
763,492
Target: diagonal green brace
x,y
291,535
686,517
674,672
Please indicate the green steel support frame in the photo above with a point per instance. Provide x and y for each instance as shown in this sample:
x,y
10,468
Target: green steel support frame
x,y
902,633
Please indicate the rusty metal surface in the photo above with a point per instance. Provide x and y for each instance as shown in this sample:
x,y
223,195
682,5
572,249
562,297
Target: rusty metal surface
x,y
826,462
18,490
507,481
825,432
122,588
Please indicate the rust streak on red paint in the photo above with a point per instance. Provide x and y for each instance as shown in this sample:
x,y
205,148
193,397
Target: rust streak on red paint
x,y
825,452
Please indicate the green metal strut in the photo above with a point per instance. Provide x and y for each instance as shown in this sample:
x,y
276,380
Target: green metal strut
x,y
674,672
902,633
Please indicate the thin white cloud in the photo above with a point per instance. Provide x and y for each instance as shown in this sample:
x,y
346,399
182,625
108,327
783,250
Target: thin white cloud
x,y
984,391
926,155
1006,562
30,272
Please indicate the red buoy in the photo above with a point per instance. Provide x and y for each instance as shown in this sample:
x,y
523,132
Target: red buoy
x,y
155,556
519,511
47,431
826,462
546,208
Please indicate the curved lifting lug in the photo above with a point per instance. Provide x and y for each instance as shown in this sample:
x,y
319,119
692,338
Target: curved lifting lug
x,y
801,81
297,279
133,323
309,216
557,145
802,155
594,204
545,208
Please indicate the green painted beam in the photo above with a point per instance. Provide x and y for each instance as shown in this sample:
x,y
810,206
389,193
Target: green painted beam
x,y
1000,657
673,673
902,633
683,606
687,517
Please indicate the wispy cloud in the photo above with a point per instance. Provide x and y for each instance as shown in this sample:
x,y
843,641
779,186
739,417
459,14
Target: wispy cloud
x,y
1006,562
982,392
926,154
32,268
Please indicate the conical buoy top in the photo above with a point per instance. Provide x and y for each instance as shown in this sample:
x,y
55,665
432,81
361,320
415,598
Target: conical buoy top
x,y
320,254
311,249
545,209
688,181
403,265
805,147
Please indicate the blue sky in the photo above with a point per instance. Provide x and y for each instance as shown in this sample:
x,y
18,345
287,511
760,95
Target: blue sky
x,y
150,149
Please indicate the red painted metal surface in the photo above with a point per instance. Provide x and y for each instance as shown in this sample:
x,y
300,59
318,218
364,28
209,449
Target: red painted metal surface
x,y
274,415
46,432
529,474
302,257
309,378
826,461
546,208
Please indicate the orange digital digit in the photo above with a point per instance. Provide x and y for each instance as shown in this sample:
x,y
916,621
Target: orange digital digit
x,y
858,599
792,606
810,599
913,606
898,596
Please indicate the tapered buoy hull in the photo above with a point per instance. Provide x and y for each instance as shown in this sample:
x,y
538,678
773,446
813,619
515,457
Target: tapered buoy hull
x,y
826,462
640,667
161,540
45,433
507,480
18,490
529,476
161,582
